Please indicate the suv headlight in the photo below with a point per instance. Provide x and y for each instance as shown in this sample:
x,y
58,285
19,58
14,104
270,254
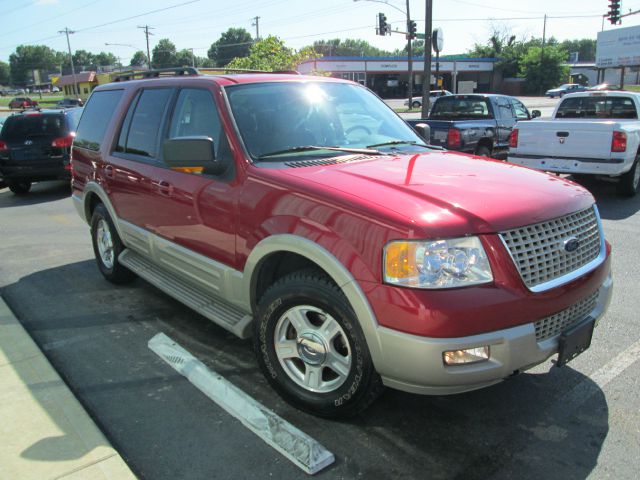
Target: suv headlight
x,y
457,262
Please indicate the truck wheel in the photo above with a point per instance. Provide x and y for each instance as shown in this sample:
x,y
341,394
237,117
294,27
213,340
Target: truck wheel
x,y
311,349
20,188
630,181
483,151
107,246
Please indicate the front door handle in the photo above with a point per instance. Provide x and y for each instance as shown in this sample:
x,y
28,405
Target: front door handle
x,y
164,187
109,172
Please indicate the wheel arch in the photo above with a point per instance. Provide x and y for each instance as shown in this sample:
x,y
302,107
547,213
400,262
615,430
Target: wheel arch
x,y
94,194
306,253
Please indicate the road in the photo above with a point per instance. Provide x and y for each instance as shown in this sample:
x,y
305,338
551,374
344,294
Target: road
x,y
575,422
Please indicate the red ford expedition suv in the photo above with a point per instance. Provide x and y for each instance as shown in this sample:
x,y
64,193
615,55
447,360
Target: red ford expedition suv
x,y
305,213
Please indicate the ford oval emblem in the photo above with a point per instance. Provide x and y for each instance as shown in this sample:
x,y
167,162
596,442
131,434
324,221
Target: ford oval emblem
x,y
571,244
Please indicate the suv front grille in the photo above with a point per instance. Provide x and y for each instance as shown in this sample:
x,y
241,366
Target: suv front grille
x,y
555,324
538,250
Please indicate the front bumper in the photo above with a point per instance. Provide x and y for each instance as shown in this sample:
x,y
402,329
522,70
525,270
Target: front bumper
x,y
414,364
615,166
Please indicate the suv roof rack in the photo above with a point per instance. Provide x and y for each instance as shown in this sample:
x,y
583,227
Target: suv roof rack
x,y
159,72
182,71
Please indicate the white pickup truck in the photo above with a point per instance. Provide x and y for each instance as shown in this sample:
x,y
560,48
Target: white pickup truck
x,y
590,133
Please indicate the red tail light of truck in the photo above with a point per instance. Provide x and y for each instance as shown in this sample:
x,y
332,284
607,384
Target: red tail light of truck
x,y
513,138
454,139
619,142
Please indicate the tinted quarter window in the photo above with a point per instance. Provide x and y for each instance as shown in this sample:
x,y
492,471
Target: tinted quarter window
x,y
96,117
504,108
73,118
142,138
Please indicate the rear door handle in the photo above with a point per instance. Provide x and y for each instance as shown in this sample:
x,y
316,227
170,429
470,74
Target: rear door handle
x,y
164,187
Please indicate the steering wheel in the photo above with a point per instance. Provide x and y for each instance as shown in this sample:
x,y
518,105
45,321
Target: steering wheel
x,y
357,127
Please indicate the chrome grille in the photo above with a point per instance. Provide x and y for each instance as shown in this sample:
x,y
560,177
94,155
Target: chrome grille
x,y
538,250
554,325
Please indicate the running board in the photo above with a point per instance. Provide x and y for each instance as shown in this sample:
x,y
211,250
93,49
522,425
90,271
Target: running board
x,y
218,311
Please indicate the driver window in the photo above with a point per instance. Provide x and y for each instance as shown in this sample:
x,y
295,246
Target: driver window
x,y
521,110
196,115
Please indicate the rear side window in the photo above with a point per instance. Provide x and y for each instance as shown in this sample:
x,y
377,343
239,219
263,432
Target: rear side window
x,y
96,117
140,136
597,107
23,127
462,107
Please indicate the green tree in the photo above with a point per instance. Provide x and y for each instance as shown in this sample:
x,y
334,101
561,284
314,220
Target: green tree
x,y
234,43
105,59
164,54
543,70
205,62
82,58
586,48
271,54
139,59
184,58
347,48
27,58
5,73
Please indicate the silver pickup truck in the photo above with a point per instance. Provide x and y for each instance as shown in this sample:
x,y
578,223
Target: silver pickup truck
x,y
590,133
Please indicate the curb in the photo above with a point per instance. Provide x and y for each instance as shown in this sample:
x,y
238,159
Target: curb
x,y
46,433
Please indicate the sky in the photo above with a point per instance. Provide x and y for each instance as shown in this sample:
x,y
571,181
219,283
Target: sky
x,y
198,23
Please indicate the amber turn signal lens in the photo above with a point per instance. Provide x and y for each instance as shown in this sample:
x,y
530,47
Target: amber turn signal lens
x,y
400,260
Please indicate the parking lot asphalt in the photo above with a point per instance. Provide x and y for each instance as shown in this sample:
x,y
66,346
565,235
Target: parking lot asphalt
x,y
580,421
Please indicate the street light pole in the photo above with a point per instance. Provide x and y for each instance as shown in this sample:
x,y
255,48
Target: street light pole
x,y
410,61
426,82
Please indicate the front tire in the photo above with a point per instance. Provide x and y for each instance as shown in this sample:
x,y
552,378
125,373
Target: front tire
x,y
20,188
311,348
107,247
629,183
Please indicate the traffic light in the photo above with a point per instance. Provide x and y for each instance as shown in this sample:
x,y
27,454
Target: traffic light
x,y
383,26
614,11
412,29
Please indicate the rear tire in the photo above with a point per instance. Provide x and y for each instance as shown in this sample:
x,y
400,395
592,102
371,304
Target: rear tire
x,y
311,349
629,183
483,151
20,188
107,247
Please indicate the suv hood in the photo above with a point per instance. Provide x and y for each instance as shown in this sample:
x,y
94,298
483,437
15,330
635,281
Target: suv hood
x,y
448,193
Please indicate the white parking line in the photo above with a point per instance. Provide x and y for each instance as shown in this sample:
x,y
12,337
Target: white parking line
x,y
297,446
598,380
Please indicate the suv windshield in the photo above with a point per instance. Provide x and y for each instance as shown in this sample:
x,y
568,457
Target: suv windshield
x,y
597,107
278,117
21,127
461,108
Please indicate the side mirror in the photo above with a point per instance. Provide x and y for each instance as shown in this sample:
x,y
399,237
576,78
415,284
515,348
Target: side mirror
x,y
535,113
424,131
191,155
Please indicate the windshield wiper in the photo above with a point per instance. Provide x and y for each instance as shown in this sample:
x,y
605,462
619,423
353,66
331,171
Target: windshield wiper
x,y
399,142
307,148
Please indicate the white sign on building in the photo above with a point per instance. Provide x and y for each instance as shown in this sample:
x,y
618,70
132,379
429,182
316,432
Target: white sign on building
x,y
618,47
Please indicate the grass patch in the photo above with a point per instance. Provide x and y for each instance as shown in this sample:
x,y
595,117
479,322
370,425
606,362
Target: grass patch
x,y
632,88
407,110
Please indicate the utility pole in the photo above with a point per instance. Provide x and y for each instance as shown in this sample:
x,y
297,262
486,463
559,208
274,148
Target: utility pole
x,y
73,70
256,23
410,61
544,38
193,58
426,82
147,33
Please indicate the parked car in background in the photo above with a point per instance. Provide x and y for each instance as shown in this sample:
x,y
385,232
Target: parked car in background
x,y
590,133
563,90
36,146
55,89
70,103
416,102
302,212
475,123
22,102
604,86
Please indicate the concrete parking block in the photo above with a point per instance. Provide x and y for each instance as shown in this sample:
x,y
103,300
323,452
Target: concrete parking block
x,y
46,433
